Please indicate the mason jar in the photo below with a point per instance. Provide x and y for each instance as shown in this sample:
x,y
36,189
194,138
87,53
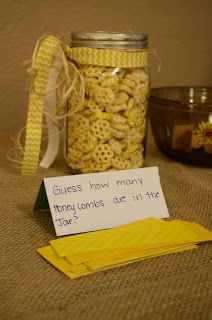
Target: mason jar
x,y
107,109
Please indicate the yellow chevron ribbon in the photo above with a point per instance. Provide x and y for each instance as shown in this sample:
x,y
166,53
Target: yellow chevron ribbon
x,y
109,57
42,61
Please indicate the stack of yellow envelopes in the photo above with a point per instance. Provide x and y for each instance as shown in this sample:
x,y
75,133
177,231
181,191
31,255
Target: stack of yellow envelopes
x,y
82,254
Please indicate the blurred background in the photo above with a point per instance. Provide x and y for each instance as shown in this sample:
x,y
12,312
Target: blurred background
x,y
179,31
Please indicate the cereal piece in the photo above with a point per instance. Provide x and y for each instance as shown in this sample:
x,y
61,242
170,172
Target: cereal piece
x,y
116,108
93,106
116,146
103,153
91,85
99,167
132,148
109,74
86,143
139,92
118,119
125,88
109,82
137,76
87,170
101,129
121,127
91,71
74,154
76,130
73,165
130,103
118,134
140,75
87,156
119,163
100,115
78,119
126,154
121,98
137,159
134,135
133,116
129,83
104,96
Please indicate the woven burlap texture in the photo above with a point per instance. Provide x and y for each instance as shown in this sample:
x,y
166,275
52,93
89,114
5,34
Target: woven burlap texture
x,y
172,287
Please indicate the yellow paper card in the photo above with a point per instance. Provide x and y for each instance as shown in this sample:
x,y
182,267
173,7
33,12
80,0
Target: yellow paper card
x,y
106,262
81,270
98,255
176,250
146,234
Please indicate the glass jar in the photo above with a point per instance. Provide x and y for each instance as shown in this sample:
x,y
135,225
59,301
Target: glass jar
x,y
106,130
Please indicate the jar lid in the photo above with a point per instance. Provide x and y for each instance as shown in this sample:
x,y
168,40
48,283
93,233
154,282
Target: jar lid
x,y
102,39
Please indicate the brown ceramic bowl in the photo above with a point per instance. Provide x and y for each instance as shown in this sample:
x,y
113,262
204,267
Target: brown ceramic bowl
x,y
181,121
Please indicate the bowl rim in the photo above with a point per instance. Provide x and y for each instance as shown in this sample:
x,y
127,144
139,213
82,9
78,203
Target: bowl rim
x,y
179,105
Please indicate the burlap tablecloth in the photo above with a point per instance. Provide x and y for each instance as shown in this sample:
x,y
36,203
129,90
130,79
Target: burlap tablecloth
x,y
172,287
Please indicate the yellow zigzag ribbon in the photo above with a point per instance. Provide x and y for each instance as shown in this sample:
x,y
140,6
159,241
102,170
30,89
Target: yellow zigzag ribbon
x,y
41,66
109,57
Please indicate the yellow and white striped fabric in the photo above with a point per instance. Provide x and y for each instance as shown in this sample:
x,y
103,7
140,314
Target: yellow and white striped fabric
x,y
41,67
109,57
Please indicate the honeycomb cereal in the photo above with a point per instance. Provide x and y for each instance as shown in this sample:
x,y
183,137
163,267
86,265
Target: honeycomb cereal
x,y
91,84
107,131
121,98
137,159
86,143
101,129
129,83
91,71
104,96
118,134
118,119
116,109
116,146
101,167
74,154
119,163
93,106
100,115
139,92
120,126
103,153
109,82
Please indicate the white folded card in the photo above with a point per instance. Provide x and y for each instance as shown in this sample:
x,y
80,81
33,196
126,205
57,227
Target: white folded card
x,y
87,202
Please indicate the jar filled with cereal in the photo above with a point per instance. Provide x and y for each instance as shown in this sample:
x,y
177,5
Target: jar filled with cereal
x,y
106,126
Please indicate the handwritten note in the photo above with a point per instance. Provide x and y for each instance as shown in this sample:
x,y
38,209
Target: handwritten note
x,y
87,202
